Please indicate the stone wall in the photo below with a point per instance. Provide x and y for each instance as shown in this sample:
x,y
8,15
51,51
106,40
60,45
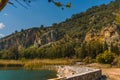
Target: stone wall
x,y
92,75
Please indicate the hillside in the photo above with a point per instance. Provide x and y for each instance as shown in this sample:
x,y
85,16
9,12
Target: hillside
x,y
84,34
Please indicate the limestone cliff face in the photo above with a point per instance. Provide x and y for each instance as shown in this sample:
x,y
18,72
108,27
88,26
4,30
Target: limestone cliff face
x,y
107,34
28,38
48,37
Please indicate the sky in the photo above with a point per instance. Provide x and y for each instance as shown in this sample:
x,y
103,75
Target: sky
x,y
40,12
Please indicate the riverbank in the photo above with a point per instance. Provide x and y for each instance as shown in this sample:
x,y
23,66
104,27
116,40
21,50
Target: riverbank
x,y
110,72
36,63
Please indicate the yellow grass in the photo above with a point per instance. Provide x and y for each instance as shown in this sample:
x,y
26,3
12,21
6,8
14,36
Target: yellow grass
x,y
11,63
36,63
46,62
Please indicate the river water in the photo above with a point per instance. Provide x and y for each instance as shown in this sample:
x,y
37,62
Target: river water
x,y
26,74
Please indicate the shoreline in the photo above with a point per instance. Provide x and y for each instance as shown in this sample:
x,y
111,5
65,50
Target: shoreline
x,y
48,64
76,72
35,64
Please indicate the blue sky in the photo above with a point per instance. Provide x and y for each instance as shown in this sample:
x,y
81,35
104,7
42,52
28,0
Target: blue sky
x,y
40,13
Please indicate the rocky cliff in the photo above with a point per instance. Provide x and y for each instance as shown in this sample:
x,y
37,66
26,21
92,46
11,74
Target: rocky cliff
x,y
28,38
109,34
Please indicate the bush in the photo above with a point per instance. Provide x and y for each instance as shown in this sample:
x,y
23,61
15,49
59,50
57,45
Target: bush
x,y
107,57
88,60
100,58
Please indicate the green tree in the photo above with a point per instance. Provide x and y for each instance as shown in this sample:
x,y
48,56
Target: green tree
x,y
117,19
107,57
80,52
100,58
4,54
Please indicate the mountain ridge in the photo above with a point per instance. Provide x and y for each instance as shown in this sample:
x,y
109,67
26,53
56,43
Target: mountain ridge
x,y
80,29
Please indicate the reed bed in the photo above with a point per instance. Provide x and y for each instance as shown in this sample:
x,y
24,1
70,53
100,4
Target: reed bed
x,y
36,63
44,63
11,63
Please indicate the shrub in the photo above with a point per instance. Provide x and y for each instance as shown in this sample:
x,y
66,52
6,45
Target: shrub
x,y
88,60
100,58
107,57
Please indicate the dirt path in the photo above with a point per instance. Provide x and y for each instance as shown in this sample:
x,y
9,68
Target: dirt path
x,y
112,73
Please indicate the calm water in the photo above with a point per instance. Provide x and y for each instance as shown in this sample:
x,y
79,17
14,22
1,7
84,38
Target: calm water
x,y
26,74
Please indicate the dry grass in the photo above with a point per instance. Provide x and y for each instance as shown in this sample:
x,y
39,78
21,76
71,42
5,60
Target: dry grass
x,y
36,63
111,72
11,63
46,62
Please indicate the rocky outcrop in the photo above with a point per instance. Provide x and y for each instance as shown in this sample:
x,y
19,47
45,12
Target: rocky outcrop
x,y
48,37
65,71
108,34
28,38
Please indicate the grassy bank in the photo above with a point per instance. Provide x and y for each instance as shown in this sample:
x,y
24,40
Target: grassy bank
x,y
11,63
36,63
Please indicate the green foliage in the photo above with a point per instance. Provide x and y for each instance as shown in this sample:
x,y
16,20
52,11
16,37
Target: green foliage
x,y
91,49
100,58
4,56
117,19
88,60
68,5
115,48
59,4
107,57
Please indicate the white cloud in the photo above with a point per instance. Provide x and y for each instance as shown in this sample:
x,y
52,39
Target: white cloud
x,y
1,25
2,35
5,14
